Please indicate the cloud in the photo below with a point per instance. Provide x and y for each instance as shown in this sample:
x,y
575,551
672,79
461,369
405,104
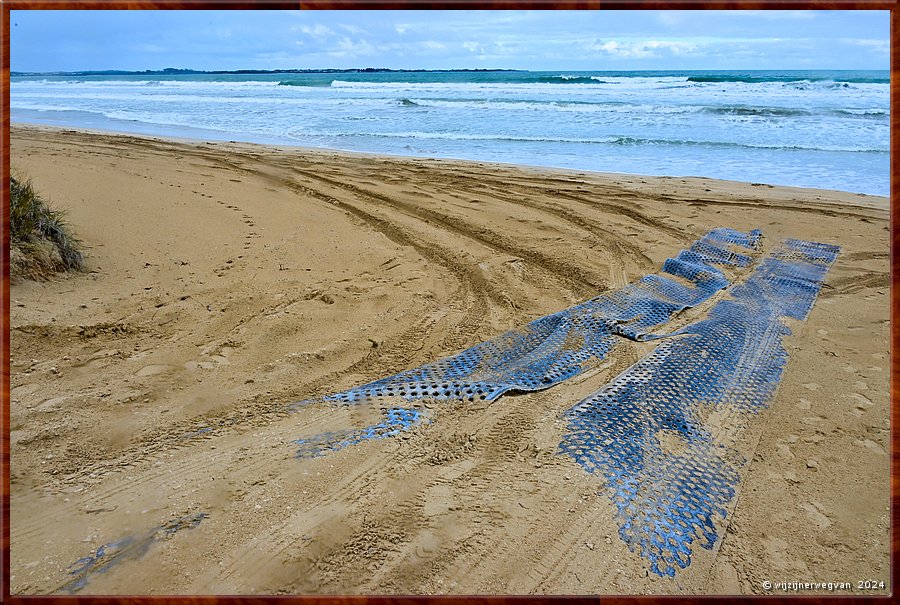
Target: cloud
x,y
354,48
451,39
317,31
875,45
646,49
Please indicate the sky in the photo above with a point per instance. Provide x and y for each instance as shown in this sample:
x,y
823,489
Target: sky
x,y
43,41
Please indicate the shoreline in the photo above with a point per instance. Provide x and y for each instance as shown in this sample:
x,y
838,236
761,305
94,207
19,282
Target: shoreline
x,y
877,201
800,130
227,280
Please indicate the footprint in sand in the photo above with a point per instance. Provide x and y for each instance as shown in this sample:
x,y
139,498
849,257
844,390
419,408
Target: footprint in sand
x,y
816,437
426,544
791,477
153,370
784,451
816,512
870,445
438,502
862,402
216,354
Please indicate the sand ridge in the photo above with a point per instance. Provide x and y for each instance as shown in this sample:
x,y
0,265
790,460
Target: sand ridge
x,y
228,280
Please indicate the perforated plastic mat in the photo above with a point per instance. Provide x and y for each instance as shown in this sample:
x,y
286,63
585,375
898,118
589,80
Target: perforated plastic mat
x,y
554,348
395,421
663,432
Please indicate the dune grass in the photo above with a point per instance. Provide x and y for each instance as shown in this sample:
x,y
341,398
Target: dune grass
x,y
41,242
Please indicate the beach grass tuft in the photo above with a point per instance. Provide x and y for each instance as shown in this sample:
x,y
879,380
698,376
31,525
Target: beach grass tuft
x,y
41,241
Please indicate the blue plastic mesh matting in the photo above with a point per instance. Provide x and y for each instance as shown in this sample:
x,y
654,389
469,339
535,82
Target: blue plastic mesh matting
x,y
395,421
655,432
554,348
129,548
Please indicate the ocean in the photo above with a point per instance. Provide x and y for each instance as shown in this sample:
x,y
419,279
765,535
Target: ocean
x,y
824,129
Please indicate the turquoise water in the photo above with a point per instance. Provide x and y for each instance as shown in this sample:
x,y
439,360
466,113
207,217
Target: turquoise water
x,y
827,129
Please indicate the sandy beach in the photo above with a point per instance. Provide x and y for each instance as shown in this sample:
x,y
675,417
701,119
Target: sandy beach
x,y
149,394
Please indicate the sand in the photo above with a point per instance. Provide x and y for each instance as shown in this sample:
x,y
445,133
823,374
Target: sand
x,y
227,280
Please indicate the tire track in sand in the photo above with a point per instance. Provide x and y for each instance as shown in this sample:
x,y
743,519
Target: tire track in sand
x,y
474,298
578,280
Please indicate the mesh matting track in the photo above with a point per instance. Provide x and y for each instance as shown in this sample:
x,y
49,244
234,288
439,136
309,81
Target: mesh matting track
x,y
128,548
395,421
554,348
663,432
